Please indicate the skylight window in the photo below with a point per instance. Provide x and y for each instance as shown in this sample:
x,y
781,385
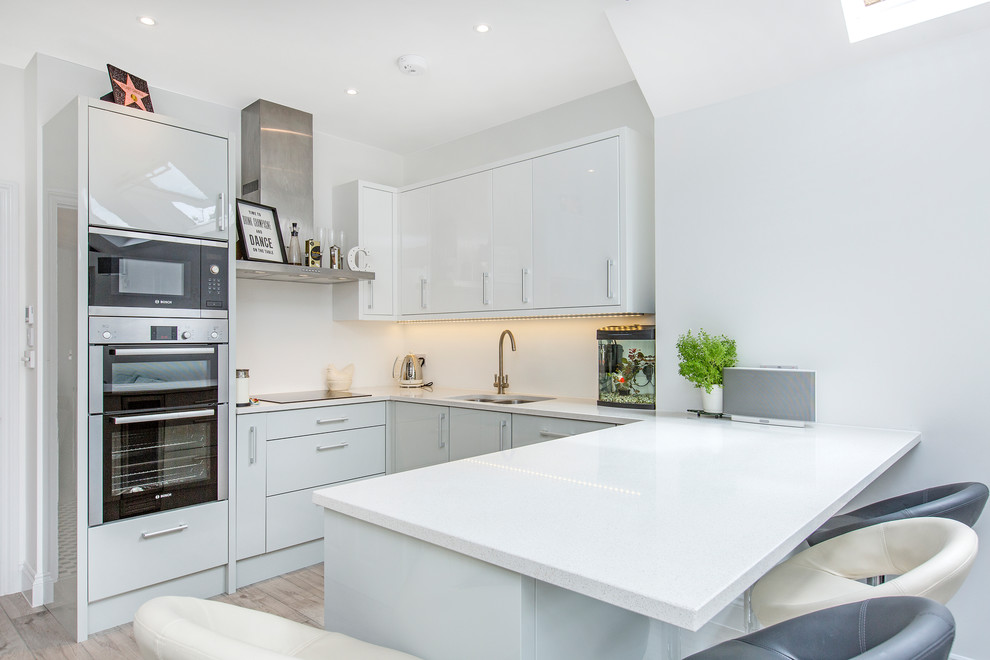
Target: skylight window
x,y
869,18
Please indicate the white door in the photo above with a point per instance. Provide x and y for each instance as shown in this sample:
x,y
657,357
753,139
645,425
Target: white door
x,y
377,217
512,235
576,226
461,238
420,435
150,176
477,432
415,249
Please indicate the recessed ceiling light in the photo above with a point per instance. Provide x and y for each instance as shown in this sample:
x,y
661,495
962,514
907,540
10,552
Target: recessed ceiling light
x,y
352,92
147,20
481,27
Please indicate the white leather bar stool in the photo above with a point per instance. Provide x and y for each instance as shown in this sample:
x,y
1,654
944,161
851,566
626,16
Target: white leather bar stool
x,y
181,628
930,557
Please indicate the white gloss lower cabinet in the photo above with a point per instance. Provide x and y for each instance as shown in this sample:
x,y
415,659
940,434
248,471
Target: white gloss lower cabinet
x,y
477,432
137,552
421,435
427,435
531,429
251,485
283,456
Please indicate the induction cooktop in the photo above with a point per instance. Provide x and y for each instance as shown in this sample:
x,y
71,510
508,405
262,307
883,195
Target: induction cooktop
x,y
311,395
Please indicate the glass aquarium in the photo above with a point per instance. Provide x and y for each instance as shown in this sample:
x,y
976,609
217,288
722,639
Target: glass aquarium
x,y
627,366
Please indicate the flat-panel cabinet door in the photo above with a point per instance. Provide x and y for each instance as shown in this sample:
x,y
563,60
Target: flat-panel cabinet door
x,y
512,235
531,429
461,236
150,176
477,432
415,250
252,445
377,228
421,435
576,226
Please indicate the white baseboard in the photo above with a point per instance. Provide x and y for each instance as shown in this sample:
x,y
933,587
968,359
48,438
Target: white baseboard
x,y
38,588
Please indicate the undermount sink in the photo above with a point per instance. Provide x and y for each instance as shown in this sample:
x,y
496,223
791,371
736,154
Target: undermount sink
x,y
501,398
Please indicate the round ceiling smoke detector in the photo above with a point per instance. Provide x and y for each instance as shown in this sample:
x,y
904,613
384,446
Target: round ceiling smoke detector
x,y
412,65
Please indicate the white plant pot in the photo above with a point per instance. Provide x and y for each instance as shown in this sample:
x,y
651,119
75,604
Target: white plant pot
x,y
712,403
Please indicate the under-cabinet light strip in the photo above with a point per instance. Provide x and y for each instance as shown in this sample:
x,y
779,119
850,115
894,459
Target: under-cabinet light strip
x,y
523,318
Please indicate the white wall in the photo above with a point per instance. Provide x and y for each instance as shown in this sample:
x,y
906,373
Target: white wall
x,y
841,223
12,445
620,106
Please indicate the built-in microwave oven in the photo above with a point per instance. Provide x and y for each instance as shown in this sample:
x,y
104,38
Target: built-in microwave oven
x,y
137,274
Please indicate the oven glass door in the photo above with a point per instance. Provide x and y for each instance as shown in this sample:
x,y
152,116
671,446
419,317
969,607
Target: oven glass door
x,y
158,461
129,270
138,377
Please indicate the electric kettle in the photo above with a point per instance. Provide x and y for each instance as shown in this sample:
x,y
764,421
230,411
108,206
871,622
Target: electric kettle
x,y
408,370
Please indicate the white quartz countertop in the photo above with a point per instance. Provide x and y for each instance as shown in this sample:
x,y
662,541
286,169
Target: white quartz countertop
x,y
569,408
672,517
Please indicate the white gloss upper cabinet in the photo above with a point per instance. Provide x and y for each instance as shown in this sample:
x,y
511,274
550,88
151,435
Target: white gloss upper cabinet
x,y
512,235
576,219
366,212
149,175
415,250
461,235
445,238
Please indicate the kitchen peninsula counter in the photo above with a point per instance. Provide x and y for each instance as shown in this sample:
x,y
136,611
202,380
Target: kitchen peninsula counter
x,y
671,518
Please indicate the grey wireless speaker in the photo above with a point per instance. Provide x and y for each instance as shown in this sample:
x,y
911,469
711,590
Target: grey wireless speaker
x,y
769,395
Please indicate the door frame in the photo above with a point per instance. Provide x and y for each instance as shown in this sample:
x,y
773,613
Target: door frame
x,y
12,446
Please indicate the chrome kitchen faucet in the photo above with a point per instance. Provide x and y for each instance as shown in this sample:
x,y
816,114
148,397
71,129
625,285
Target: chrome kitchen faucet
x,y
501,380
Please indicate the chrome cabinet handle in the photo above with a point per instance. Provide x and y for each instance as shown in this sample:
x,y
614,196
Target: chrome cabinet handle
x,y
422,292
484,289
501,434
371,294
158,417
608,279
525,276
442,444
162,532
253,445
329,447
222,215
331,420
550,434
163,351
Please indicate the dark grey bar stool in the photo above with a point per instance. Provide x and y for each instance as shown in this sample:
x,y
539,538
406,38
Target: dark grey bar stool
x,y
963,502
895,628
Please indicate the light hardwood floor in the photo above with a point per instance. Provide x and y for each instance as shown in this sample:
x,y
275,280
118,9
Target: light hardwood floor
x,y
27,633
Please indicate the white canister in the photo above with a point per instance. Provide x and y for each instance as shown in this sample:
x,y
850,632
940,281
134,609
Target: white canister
x,y
243,380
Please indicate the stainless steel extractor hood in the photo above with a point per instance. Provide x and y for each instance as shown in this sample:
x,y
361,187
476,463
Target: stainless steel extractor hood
x,y
277,163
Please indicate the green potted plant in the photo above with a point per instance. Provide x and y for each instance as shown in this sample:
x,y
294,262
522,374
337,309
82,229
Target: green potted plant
x,y
702,358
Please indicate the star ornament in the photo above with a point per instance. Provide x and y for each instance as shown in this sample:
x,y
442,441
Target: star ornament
x,y
129,90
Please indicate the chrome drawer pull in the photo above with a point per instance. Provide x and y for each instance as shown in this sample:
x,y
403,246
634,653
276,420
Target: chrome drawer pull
x,y
161,532
253,445
331,421
550,434
328,447
159,417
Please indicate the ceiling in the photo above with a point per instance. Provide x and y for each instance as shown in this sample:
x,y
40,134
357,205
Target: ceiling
x,y
538,54
306,53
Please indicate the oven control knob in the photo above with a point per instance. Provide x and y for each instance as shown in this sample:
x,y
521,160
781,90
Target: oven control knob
x,y
106,334
214,269
214,334
186,334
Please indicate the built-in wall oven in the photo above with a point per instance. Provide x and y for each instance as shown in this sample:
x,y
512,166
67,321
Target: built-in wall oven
x,y
158,397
